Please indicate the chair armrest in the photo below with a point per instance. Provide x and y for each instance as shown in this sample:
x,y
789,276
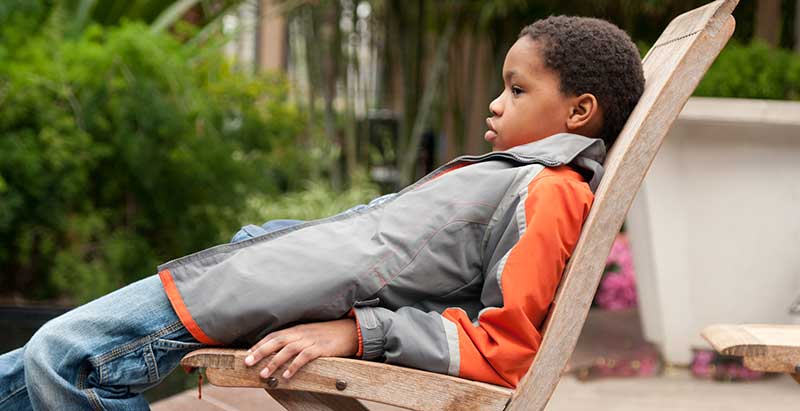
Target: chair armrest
x,y
388,384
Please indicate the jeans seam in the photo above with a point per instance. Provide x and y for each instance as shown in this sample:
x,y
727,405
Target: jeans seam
x,y
83,375
150,359
13,393
117,352
93,399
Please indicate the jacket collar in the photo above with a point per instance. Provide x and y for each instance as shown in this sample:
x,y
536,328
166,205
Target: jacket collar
x,y
584,154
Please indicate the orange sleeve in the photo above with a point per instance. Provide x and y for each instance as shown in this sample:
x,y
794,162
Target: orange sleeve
x,y
501,347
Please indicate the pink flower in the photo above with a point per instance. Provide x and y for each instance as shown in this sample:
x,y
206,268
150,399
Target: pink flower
x,y
618,287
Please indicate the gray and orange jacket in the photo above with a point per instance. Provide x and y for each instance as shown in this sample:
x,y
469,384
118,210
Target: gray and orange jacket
x,y
454,274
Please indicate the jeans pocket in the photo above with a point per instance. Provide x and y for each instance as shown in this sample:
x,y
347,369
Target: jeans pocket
x,y
147,365
134,368
167,354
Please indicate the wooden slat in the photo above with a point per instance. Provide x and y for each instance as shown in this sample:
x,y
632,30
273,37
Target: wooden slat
x,y
313,401
672,68
393,385
765,347
752,339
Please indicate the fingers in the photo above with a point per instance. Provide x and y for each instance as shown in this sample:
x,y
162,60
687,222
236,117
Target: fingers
x,y
302,344
306,355
284,355
267,346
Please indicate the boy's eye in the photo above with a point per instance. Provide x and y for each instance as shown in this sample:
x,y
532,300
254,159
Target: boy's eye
x,y
516,90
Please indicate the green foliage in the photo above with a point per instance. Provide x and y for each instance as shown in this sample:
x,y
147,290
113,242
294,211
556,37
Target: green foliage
x,y
19,18
753,71
123,148
317,200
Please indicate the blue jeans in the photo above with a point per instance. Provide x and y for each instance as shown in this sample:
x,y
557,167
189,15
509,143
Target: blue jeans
x,y
101,355
104,354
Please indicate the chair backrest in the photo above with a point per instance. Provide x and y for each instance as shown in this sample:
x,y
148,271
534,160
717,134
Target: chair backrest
x,y
672,68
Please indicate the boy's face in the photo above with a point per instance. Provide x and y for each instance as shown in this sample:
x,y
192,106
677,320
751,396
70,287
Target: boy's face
x,y
531,106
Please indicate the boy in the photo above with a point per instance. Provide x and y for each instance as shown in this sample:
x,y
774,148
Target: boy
x,y
454,274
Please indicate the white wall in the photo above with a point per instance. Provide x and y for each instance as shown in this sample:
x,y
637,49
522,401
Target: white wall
x,y
715,229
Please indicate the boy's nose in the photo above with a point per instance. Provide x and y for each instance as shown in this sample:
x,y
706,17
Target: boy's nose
x,y
496,107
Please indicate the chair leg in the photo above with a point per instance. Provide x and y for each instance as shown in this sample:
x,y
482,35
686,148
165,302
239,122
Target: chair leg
x,y
312,401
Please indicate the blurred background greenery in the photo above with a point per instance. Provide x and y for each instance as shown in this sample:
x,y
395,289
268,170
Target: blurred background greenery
x,y
133,132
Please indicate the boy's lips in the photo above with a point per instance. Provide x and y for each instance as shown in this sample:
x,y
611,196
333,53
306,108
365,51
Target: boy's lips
x,y
491,133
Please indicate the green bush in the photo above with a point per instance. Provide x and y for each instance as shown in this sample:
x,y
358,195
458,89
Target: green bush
x,y
753,71
122,148
316,200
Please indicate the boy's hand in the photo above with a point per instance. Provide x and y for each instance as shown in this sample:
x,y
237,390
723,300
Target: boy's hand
x,y
305,342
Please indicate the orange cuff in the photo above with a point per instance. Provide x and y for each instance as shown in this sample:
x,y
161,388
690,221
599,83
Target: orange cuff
x,y
360,352
180,308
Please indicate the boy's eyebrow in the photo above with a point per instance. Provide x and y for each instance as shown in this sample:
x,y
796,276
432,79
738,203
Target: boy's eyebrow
x,y
508,75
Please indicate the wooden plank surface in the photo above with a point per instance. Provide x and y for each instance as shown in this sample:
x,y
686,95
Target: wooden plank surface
x,y
313,401
387,384
673,68
752,339
764,347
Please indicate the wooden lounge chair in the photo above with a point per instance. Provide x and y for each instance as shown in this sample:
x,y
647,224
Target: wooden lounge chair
x,y
673,67
763,347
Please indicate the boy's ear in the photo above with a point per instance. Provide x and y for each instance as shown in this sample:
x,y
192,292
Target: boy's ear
x,y
585,117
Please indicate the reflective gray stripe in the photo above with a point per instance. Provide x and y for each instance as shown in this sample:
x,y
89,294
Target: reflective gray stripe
x,y
522,221
496,299
500,267
451,332
368,319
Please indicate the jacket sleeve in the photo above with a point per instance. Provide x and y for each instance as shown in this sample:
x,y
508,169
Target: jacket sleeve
x,y
499,345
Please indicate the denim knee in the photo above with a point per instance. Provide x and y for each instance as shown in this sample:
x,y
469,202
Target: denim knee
x,y
45,351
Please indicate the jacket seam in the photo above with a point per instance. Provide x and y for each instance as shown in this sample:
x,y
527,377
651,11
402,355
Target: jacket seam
x,y
461,287
423,246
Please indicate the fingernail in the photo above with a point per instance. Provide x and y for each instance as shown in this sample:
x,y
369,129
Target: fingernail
x,y
264,373
287,374
249,360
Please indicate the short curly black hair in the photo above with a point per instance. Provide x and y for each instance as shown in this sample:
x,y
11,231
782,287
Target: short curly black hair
x,y
592,56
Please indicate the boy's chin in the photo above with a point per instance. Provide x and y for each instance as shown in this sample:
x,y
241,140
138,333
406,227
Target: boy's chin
x,y
490,136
